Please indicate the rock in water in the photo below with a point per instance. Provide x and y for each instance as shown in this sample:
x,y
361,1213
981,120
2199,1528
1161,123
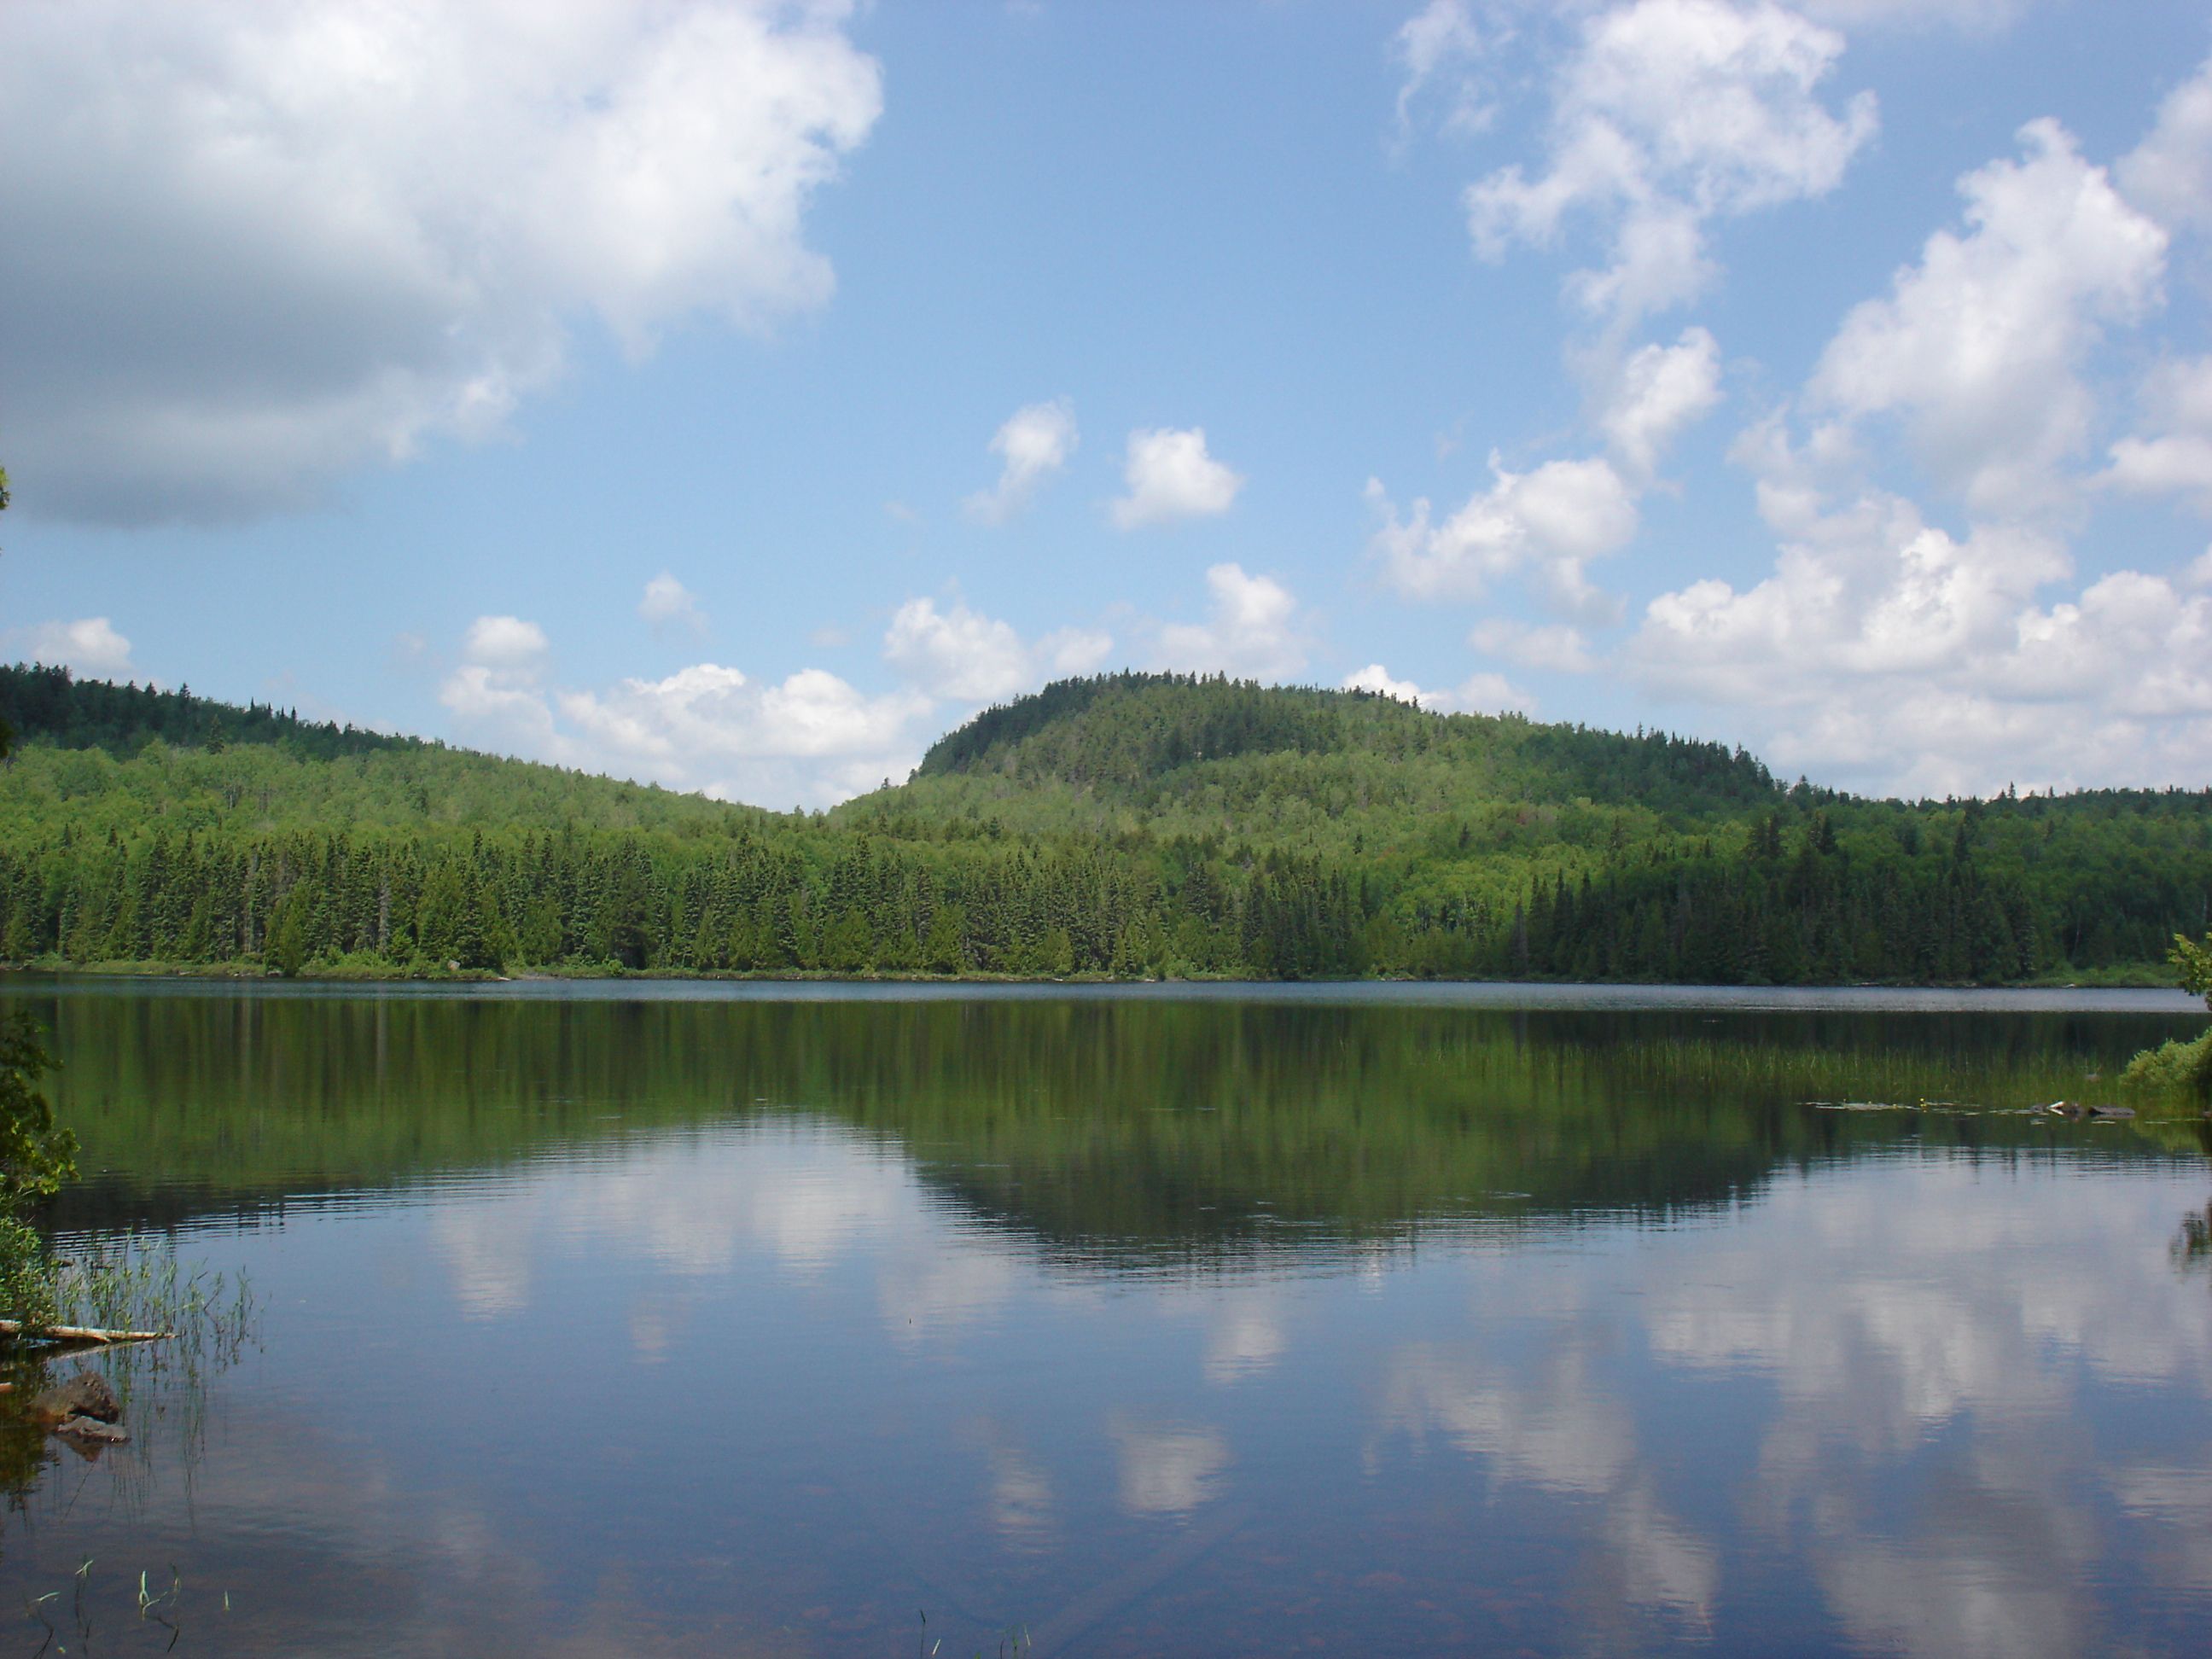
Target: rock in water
x,y
86,1395
91,1432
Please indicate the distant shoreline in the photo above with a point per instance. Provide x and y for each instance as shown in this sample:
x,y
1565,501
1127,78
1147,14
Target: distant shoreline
x,y
1502,995
2147,977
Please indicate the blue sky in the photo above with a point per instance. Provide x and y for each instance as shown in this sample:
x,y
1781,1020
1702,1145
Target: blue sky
x,y
738,395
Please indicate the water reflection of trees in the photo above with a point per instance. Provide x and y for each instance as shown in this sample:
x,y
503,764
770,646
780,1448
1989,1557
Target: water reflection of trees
x,y
2192,1244
1127,1133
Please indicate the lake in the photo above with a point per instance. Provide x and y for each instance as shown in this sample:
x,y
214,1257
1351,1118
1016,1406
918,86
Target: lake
x,y
745,1319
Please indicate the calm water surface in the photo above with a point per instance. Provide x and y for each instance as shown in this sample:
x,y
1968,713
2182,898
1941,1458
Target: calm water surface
x,y
744,1321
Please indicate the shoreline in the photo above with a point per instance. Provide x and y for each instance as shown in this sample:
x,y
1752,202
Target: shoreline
x,y
2140,977
1494,995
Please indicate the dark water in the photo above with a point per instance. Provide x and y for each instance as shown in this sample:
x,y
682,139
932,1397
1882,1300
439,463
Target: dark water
x,y
730,1322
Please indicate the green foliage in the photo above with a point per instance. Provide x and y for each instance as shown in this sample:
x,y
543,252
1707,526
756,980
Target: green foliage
x,y
51,705
2176,1066
35,1156
1129,825
28,1290
2193,961
2173,1067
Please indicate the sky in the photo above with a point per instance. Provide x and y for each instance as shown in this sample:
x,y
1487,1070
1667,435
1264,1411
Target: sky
x,y
738,395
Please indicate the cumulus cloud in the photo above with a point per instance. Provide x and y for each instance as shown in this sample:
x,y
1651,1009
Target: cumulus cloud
x,y
1885,653
1437,49
1170,476
1658,393
2169,175
1378,678
265,245
2173,454
707,710
1668,114
1477,694
668,604
971,658
1890,651
89,646
1251,630
1556,647
1035,443
811,738
1547,524
1978,347
504,642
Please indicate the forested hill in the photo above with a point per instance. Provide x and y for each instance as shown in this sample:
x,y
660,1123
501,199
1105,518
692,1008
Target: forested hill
x,y
1129,825
51,705
1133,733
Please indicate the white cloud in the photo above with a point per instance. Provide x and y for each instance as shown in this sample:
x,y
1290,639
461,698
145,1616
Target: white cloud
x,y
1035,443
707,710
504,642
1483,693
2169,175
1477,694
1656,394
2175,456
508,713
971,658
1979,344
1251,630
811,738
1170,476
1555,646
668,604
264,245
89,646
1671,114
1435,48
1885,653
1548,523
1378,678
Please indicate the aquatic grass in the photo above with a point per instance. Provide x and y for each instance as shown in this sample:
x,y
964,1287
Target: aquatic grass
x,y
136,1281
163,1608
1014,1641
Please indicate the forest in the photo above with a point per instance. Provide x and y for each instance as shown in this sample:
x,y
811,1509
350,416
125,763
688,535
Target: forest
x,y
1138,825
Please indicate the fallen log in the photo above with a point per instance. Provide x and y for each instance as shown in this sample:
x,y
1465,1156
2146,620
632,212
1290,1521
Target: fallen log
x,y
77,1333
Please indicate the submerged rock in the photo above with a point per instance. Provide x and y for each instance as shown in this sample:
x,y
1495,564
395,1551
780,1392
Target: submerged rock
x,y
83,1410
83,1395
2076,1108
92,1431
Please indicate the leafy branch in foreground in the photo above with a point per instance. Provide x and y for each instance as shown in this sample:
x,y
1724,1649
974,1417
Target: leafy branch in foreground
x,y
2194,960
2179,1067
35,1158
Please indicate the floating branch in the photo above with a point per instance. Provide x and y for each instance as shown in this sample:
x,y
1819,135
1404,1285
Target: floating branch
x,y
15,1328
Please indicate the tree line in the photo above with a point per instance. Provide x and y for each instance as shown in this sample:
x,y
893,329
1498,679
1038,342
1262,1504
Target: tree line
x,y
839,900
1130,825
